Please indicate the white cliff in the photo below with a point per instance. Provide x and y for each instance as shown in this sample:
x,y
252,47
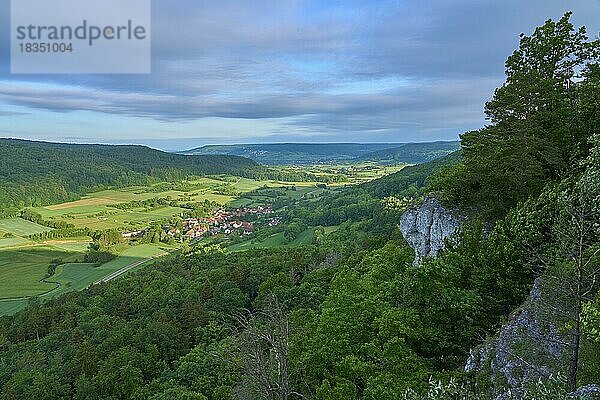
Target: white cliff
x,y
426,228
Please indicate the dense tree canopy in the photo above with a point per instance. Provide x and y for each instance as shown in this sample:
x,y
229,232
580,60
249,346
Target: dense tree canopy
x,y
541,119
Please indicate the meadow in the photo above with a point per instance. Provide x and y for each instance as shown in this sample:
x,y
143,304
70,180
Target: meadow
x,y
275,240
96,211
78,276
20,227
354,173
21,271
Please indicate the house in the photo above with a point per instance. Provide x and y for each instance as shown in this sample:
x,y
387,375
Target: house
x,y
131,234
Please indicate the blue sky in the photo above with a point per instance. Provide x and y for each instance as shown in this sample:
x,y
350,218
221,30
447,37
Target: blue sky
x,y
240,71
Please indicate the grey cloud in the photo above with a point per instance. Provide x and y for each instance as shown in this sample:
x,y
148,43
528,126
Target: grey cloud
x,y
234,60
11,113
169,107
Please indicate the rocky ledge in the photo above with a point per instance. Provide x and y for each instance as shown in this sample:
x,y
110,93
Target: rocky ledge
x,y
427,227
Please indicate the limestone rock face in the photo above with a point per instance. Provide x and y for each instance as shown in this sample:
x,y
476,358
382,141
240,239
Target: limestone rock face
x,y
588,392
427,227
526,349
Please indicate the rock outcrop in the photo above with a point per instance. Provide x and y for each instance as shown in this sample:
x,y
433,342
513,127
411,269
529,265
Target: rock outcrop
x,y
527,348
587,392
427,227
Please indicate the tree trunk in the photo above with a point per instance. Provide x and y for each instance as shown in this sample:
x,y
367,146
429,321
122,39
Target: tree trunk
x,y
574,362
572,378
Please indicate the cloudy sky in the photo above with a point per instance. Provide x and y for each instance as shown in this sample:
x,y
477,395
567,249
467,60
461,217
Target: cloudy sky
x,y
243,71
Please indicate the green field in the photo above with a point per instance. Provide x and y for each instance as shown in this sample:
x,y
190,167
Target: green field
x,y
95,211
76,276
80,276
135,254
78,245
22,270
305,237
20,227
274,240
13,242
285,194
331,229
270,242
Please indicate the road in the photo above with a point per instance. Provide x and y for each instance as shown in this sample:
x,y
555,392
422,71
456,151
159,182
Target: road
x,y
125,269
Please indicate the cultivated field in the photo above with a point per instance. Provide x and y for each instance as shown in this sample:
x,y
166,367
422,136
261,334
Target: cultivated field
x,y
21,271
95,210
20,227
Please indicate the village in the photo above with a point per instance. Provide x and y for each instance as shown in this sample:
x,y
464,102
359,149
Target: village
x,y
225,222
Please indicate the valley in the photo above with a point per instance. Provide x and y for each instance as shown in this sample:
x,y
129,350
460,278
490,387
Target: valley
x,y
268,270
47,258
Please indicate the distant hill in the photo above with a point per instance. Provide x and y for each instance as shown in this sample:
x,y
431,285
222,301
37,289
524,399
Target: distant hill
x,y
38,173
328,153
295,153
412,153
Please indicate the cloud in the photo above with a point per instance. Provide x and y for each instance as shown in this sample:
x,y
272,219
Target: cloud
x,y
380,68
11,113
411,101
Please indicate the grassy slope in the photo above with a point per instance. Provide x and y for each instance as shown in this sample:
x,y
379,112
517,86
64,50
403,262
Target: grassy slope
x,y
20,227
274,240
68,277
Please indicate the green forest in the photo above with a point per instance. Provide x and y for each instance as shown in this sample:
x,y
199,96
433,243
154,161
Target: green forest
x,y
349,316
38,173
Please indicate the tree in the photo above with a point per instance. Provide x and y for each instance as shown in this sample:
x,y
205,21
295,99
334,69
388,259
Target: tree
x,y
260,352
573,263
535,100
534,134
178,394
85,360
35,385
35,320
578,244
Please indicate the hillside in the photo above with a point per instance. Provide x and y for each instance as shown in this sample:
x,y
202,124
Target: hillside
x,y
38,173
365,201
295,153
412,153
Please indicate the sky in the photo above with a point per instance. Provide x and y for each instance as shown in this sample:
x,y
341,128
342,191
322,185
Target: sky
x,y
268,71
